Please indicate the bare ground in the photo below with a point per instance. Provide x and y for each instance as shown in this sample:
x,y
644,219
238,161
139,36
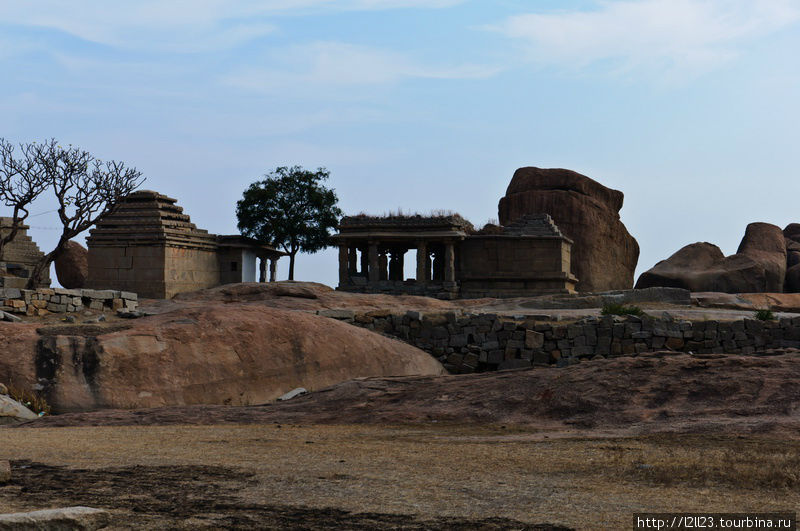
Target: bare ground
x,y
279,476
582,447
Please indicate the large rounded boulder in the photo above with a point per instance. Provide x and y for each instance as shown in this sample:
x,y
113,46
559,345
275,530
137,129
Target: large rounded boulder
x,y
758,267
72,266
237,354
604,254
765,244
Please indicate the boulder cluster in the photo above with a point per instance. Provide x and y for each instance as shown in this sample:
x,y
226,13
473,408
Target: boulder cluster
x,y
767,261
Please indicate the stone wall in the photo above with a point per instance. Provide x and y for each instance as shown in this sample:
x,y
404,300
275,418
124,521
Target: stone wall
x,y
188,269
19,258
481,342
45,300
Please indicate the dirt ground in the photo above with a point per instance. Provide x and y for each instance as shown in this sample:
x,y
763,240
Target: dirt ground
x,y
433,476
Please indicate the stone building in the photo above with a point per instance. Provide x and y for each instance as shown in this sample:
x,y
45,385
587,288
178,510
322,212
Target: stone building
x,y
150,247
19,258
528,257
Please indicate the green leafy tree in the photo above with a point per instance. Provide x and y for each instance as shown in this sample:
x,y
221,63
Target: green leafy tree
x,y
291,210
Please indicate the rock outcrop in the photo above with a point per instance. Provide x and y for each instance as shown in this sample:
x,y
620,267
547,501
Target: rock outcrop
x,y
604,254
759,266
791,236
765,244
72,267
223,354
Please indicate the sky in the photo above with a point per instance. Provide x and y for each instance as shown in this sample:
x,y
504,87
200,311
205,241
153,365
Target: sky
x,y
689,107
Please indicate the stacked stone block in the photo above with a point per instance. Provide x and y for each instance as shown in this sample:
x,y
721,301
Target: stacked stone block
x,y
57,300
19,258
466,342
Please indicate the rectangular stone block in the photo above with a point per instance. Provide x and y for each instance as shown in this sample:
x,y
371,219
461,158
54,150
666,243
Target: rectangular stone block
x,y
68,292
533,340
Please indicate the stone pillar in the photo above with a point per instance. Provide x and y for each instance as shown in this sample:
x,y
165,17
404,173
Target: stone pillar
x,y
262,269
383,265
344,264
273,269
422,262
353,260
374,263
449,262
438,267
364,261
396,265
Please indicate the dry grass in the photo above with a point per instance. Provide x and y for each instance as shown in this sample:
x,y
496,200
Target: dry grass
x,y
436,471
30,399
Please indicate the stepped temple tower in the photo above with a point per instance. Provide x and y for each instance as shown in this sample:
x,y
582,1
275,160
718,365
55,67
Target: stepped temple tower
x,y
19,258
150,247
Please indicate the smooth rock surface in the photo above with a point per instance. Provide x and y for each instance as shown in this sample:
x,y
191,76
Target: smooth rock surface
x,y
13,411
72,267
67,519
228,354
604,254
765,244
758,267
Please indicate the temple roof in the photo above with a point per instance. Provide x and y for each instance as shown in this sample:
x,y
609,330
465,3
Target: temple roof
x,y
399,226
146,217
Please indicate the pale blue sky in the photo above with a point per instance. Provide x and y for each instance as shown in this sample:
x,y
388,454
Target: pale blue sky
x,y
690,107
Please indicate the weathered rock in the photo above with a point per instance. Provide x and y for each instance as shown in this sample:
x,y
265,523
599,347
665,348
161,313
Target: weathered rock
x,y
604,255
230,354
688,268
72,267
758,267
12,411
765,244
793,279
792,231
83,518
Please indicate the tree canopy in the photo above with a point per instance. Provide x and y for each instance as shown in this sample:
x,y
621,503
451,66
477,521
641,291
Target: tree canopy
x,y
290,210
85,188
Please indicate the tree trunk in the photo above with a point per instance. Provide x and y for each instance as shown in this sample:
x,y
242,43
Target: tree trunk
x,y
291,264
44,264
38,269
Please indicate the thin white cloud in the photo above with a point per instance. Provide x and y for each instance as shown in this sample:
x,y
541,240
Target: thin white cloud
x,y
335,64
684,35
178,25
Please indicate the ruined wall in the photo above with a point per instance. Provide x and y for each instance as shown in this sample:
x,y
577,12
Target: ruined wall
x,y
485,342
19,258
189,270
502,266
45,300
138,269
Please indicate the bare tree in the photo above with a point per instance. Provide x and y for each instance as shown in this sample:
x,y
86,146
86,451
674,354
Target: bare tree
x,y
87,189
22,180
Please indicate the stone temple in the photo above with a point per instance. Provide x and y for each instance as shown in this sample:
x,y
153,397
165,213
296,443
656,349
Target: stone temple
x,y
150,247
20,256
528,257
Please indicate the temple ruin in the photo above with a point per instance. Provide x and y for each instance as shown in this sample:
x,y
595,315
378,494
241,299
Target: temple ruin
x,y
20,256
453,260
150,247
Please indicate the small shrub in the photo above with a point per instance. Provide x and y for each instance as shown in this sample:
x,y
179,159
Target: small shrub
x,y
765,315
30,399
621,309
